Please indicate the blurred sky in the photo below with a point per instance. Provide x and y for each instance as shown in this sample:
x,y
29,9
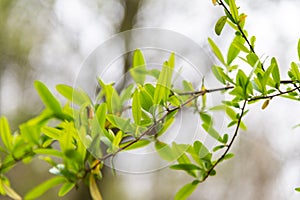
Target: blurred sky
x,y
63,34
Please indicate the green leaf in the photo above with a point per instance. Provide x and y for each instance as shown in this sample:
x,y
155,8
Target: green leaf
x,y
200,149
298,49
138,70
137,145
185,167
121,123
164,151
239,44
297,189
76,96
66,188
117,139
218,72
171,60
47,97
206,118
211,131
49,152
218,147
101,114
116,104
252,41
186,190
163,84
228,156
294,72
44,187
136,108
216,51
220,75
233,10
275,73
5,133
220,25
51,132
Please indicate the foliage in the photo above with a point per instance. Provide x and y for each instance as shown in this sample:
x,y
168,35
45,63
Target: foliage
x,y
81,126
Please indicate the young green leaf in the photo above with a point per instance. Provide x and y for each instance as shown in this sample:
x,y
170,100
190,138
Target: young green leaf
x,y
76,96
220,25
185,167
234,10
136,108
164,151
218,72
297,189
137,145
216,51
163,84
294,72
200,150
5,133
299,49
101,114
275,73
186,190
66,188
118,139
47,97
44,187
212,132
121,123
138,70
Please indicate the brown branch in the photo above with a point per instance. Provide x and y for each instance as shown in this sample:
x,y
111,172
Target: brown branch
x,y
230,143
274,95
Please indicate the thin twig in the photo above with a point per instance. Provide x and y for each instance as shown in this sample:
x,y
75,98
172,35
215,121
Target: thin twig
x,y
228,147
274,95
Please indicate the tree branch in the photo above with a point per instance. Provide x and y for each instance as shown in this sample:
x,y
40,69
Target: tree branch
x,y
229,145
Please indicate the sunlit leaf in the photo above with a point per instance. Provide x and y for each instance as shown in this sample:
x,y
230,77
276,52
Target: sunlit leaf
x,y
275,73
136,108
233,10
138,70
44,187
136,145
163,85
298,49
186,190
164,151
121,123
216,51
5,133
76,96
185,167
47,97
101,114
49,152
118,139
66,188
